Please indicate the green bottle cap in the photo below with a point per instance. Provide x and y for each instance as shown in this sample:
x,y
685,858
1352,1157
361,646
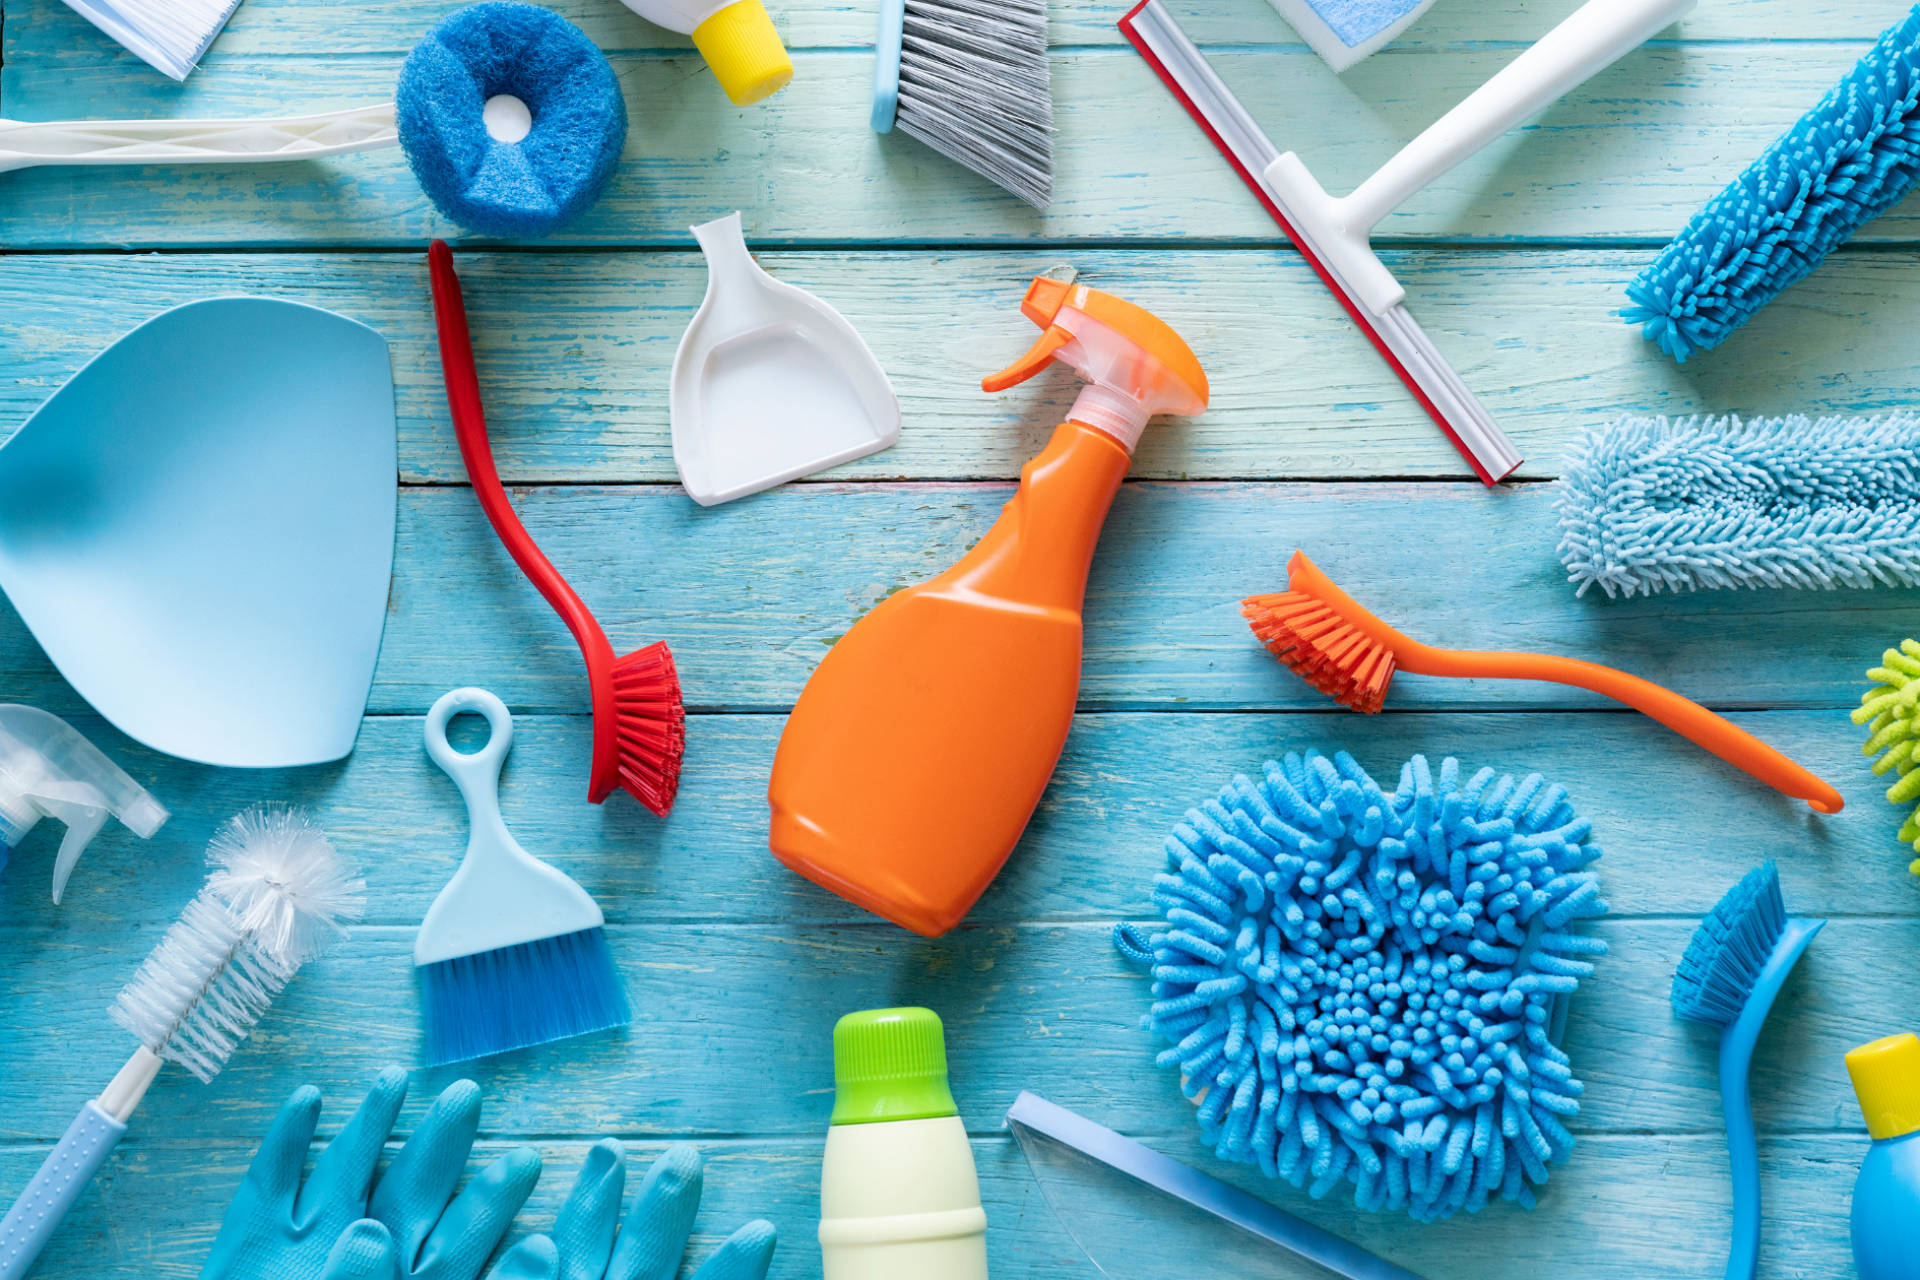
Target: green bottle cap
x,y
890,1064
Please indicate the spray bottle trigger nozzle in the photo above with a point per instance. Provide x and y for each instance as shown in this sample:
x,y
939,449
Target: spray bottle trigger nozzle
x,y
1037,357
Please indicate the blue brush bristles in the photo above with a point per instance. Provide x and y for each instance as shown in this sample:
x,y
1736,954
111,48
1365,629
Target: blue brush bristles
x,y
516,997
527,187
1359,987
1852,157
1652,505
1726,953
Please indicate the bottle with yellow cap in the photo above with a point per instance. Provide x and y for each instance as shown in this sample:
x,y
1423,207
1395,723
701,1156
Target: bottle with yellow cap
x,y
899,1197
737,39
1886,1196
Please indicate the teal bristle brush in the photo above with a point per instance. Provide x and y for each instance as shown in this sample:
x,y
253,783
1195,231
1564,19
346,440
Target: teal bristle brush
x,y
1728,978
1847,161
512,953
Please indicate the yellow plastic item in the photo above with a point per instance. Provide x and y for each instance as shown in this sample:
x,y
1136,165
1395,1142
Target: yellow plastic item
x,y
744,52
1886,1078
922,744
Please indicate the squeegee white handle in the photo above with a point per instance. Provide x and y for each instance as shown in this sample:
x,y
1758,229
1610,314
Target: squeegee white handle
x,y
25,144
1594,37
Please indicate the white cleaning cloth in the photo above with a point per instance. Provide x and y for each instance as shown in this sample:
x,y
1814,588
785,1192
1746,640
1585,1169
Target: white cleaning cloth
x,y
1345,31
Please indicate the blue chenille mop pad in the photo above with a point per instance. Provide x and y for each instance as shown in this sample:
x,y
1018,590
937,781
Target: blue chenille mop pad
x,y
1363,987
1345,31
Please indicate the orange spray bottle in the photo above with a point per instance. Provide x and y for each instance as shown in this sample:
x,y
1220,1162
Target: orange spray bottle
x,y
922,744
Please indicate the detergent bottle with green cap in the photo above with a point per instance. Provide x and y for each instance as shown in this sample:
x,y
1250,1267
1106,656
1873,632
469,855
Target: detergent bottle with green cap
x,y
899,1196
1886,1195
923,741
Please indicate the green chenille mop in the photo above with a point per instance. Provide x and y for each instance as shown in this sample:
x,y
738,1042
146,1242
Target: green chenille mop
x,y
1889,711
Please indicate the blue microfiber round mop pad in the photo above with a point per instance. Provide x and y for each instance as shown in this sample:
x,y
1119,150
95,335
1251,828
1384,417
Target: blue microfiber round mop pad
x,y
1361,986
537,184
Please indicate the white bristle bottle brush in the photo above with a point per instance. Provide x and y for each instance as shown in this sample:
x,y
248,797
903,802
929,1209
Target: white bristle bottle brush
x,y
278,896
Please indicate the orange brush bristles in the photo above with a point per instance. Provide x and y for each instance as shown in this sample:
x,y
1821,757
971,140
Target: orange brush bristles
x,y
652,725
1322,647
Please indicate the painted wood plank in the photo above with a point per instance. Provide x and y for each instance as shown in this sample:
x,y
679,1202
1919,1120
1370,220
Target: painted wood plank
x,y
1629,157
1625,1207
574,351
733,1029
1678,825
752,594
47,31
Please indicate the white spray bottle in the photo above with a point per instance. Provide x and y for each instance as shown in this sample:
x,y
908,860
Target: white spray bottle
x,y
47,770
899,1196
737,39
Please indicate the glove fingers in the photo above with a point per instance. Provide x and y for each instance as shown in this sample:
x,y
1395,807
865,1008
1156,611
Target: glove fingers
x,y
275,1171
421,1179
478,1219
364,1251
534,1258
661,1218
584,1231
746,1255
344,1171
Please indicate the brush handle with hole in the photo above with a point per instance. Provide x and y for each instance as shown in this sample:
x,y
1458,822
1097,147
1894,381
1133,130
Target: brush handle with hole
x,y
26,144
1684,716
1597,34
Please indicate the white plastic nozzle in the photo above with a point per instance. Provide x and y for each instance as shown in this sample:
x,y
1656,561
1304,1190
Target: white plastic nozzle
x,y
47,770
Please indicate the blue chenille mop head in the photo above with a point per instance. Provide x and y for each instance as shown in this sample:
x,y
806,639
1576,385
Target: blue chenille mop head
x,y
1889,711
527,187
1361,987
1653,505
1845,163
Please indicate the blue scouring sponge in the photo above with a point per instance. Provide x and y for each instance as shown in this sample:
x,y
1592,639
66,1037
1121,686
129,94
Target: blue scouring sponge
x,y
1847,161
1361,987
1693,504
524,187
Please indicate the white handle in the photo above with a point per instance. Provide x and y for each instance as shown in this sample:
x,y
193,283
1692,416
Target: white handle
x,y
63,1175
24,144
1595,36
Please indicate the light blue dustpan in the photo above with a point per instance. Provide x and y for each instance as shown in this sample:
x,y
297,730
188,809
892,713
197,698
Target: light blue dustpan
x,y
198,529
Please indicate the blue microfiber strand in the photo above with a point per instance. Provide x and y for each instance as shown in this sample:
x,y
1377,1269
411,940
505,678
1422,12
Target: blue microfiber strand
x,y
1359,987
525,188
1652,505
1846,161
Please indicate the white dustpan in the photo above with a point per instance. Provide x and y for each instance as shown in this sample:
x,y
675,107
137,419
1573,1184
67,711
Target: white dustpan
x,y
770,383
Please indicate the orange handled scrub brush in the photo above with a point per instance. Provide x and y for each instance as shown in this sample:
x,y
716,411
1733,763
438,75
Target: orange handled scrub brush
x,y
1333,644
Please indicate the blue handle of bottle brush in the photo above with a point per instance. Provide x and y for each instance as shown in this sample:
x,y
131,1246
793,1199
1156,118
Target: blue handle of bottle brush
x,y
63,1175
1736,1057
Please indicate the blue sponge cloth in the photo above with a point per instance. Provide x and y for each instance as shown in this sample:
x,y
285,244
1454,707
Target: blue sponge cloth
x,y
525,188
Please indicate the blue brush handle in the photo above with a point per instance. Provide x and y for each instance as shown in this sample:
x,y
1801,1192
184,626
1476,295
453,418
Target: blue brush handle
x,y
886,65
63,1175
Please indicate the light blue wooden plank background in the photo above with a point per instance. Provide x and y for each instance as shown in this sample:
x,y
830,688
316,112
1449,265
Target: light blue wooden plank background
x,y
1515,264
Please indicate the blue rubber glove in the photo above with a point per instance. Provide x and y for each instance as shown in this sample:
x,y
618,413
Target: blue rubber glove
x,y
277,1229
587,1242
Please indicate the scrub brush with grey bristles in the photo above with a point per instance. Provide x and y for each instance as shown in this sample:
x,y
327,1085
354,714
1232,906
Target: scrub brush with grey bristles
x,y
1889,710
278,896
970,79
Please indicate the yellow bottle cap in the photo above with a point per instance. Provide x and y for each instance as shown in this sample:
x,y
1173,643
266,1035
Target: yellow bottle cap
x,y
744,52
1886,1077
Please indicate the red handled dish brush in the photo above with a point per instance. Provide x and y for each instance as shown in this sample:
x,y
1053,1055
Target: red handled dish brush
x,y
639,725
1339,648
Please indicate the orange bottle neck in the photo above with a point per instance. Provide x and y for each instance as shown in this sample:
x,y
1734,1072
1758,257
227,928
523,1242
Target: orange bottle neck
x,y
1040,550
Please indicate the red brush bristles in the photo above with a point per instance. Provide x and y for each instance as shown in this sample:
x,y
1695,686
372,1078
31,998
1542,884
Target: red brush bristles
x,y
651,725
1322,647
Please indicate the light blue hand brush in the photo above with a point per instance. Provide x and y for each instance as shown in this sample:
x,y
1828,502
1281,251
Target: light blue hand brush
x,y
512,953
1728,978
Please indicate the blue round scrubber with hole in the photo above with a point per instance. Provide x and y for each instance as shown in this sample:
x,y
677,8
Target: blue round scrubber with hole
x,y
536,184
1364,985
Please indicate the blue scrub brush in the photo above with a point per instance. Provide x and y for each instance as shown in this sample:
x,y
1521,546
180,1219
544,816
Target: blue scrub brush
x,y
1846,162
512,953
1728,978
1361,986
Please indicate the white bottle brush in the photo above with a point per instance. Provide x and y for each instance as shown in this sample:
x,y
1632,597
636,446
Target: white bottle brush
x,y
278,896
